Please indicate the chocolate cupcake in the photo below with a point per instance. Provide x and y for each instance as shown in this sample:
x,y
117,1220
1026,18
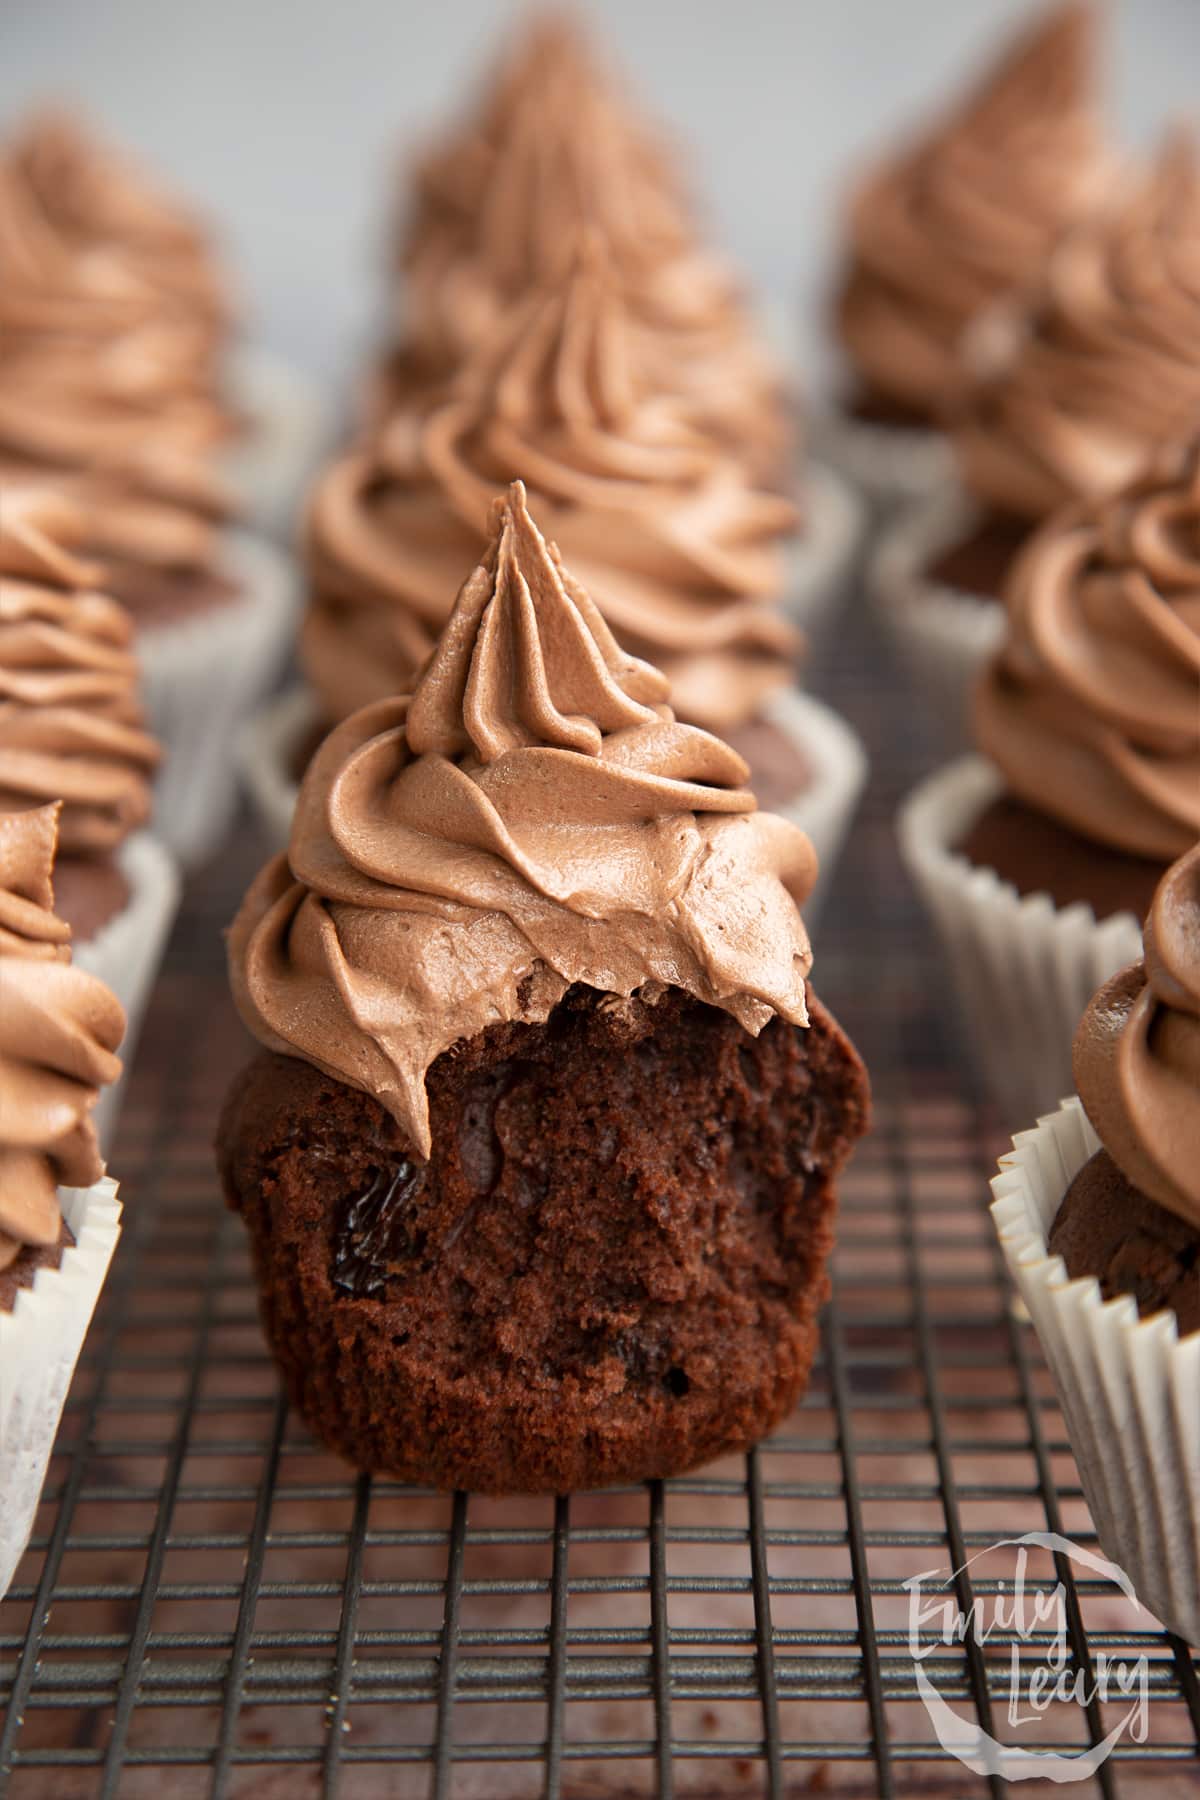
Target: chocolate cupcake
x,y
72,731
1131,1216
1038,865
59,1033
102,255
963,216
542,1142
1071,399
1099,1214
112,341
685,557
553,146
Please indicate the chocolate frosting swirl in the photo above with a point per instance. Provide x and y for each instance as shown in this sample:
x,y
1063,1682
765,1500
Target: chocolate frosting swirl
x,y
554,147
679,550
1137,1052
112,326
534,816
136,245
970,211
59,1031
1092,707
1072,397
71,727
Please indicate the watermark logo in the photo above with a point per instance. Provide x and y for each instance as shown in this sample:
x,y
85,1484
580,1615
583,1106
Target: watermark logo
x,y
1025,1613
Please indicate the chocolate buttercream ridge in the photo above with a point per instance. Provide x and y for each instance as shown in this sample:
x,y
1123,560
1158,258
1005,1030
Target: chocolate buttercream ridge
x,y
71,722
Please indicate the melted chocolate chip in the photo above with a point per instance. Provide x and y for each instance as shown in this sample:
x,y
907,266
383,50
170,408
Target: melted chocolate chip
x,y
378,1233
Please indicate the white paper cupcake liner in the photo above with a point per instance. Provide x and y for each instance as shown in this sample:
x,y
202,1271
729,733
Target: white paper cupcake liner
x,y
1024,970
838,761
200,677
288,429
941,635
890,466
823,562
268,745
40,1341
270,742
127,952
1127,1387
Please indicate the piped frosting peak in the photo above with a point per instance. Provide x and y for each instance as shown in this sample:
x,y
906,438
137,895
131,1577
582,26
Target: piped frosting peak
x,y
526,659
534,816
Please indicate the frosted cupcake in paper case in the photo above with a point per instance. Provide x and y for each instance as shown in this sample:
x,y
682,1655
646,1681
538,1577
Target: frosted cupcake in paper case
x,y
59,1033
102,261
554,146
113,332
962,216
1039,863
1131,1217
112,329
1069,400
72,732
1099,1214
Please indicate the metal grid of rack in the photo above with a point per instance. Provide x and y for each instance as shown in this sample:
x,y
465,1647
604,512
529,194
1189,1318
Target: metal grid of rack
x,y
211,1607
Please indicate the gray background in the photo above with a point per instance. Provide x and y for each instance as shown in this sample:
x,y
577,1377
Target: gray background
x,y
284,117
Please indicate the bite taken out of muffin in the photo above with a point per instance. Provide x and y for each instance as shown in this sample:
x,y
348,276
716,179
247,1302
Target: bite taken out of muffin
x,y
538,1156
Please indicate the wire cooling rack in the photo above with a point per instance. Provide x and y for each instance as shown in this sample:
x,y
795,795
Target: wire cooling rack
x,y
210,1607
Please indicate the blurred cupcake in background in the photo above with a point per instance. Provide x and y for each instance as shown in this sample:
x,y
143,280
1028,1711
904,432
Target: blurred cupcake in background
x,y
1038,861
72,732
113,329
554,145
684,555
955,220
59,1216
93,249
1069,399
1098,1210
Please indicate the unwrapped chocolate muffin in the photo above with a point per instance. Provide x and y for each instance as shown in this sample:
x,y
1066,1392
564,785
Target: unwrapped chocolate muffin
x,y
538,1158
